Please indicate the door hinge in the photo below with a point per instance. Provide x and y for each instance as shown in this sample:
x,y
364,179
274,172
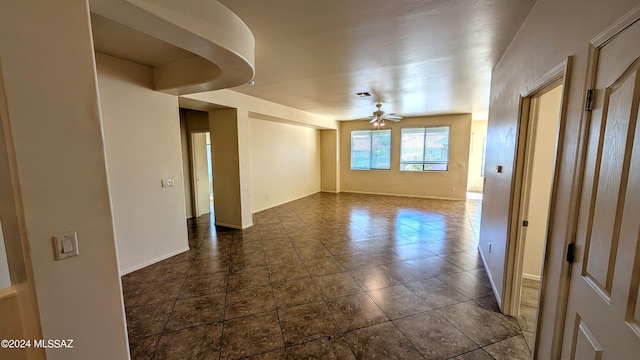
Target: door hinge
x,y
589,100
571,253
525,223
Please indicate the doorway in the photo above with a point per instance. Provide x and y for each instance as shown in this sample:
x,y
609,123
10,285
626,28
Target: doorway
x,y
539,137
540,159
202,173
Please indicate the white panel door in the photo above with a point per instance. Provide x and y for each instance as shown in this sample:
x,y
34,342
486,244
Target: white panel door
x,y
603,313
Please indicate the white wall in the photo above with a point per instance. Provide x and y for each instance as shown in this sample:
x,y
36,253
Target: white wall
x,y
476,149
554,30
285,163
50,81
431,184
5,279
142,141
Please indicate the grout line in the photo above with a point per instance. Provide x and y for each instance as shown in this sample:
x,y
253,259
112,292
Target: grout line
x,y
275,304
319,214
324,300
226,294
164,327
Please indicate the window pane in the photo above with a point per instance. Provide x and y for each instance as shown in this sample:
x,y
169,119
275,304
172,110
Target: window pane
x,y
435,167
425,149
411,167
360,150
436,144
371,149
381,149
412,145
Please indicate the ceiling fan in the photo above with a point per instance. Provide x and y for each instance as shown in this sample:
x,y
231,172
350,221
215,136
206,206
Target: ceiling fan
x,y
379,117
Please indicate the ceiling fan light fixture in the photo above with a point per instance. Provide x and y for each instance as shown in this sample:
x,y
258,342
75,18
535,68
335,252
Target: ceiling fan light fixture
x,y
379,117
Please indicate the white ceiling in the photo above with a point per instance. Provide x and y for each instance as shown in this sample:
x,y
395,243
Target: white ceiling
x,y
418,57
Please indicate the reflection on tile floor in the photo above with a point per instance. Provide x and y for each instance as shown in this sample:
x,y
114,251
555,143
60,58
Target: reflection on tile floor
x,y
330,276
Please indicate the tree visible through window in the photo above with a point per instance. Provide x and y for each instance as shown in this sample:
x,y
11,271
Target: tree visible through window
x,y
371,150
425,149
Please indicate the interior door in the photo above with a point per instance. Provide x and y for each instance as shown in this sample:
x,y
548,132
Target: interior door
x,y
201,173
603,312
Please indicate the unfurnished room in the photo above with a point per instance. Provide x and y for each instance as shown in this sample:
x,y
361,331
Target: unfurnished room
x,y
296,179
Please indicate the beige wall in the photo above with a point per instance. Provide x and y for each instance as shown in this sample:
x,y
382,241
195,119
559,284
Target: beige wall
x,y
329,161
142,141
50,82
259,108
542,167
478,135
196,120
231,144
285,163
231,183
553,31
395,182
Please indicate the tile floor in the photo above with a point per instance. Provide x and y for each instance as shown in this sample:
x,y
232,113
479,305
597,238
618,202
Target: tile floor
x,y
529,310
330,276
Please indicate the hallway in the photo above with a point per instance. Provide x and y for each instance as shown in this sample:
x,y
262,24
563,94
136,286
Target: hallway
x,y
328,276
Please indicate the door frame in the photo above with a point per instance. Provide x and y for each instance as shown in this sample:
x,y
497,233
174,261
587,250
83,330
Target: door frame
x,y
18,255
559,75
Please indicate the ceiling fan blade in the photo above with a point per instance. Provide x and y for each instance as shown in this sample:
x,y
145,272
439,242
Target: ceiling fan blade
x,y
393,117
373,119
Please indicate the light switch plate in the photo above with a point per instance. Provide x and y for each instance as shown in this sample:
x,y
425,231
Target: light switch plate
x,y
66,245
166,183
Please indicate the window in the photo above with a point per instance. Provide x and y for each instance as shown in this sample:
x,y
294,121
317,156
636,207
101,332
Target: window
x,y
425,149
371,150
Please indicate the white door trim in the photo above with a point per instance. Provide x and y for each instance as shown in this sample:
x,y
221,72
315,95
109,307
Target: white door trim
x,y
559,75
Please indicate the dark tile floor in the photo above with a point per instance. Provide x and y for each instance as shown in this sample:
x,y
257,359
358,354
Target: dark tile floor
x,y
330,276
529,310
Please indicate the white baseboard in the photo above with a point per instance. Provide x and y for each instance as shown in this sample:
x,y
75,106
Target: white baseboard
x,y
403,195
284,202
493,284
153,261
330,191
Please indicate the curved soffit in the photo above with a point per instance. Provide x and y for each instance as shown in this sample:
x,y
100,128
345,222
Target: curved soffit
x,y
222,45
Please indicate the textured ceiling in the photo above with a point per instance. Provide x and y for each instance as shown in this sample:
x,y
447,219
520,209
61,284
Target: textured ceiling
x,y
417,57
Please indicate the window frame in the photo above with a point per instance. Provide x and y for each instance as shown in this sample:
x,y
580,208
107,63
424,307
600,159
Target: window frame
x,y
371,158
424,163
